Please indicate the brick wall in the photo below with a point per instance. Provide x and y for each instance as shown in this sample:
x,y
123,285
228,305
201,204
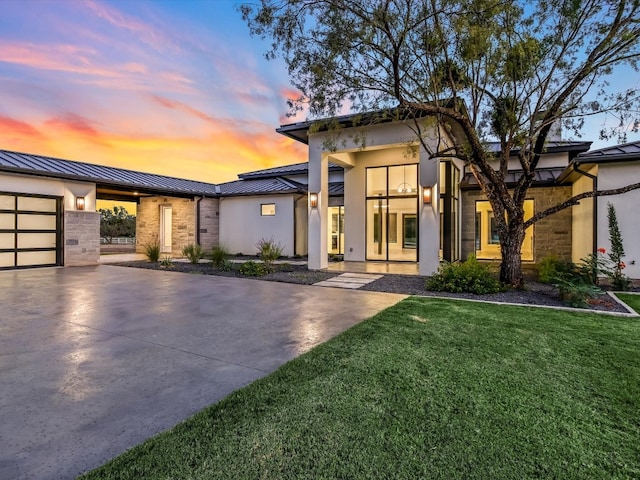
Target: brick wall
x,y
81,238
552,235
183,230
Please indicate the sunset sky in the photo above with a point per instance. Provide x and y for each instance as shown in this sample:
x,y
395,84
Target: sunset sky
x,y
176,87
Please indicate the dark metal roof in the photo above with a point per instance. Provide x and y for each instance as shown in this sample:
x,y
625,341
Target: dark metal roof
x,y
299,131
617,153
544,177
268,186
555,146
101,175
261,186
295,169
336,189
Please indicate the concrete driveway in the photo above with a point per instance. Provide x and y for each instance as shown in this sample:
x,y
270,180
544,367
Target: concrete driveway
x,y
94,360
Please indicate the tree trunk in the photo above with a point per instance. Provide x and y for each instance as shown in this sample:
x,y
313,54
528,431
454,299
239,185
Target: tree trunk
x,y
511,248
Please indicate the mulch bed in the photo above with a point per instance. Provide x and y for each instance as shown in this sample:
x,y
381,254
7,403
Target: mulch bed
x,y
534,294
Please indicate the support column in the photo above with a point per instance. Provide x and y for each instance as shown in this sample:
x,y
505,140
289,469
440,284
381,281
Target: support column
x,y
318,221
429,226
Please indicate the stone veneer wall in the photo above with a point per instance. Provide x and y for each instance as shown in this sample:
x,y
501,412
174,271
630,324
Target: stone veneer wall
x,y
81,238
209,223
183,230
552,235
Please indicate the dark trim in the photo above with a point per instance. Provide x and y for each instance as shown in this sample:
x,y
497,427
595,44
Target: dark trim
x,y
388,198
58,231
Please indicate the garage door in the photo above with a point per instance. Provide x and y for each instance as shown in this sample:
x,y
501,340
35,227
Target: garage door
x,y
30,231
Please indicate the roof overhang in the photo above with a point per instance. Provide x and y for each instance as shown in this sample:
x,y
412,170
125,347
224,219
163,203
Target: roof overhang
x,y
127,189
300,131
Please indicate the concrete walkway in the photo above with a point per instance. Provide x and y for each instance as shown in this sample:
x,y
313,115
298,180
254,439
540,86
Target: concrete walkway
x,y
350,281
97,359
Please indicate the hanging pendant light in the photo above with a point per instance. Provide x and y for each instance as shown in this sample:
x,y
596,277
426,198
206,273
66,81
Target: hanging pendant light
x,y
404,187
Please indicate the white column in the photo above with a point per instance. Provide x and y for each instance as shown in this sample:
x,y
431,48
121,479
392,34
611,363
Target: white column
x,y
429,216
318,220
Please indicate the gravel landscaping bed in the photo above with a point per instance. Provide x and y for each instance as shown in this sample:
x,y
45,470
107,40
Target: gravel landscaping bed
x,y
534,294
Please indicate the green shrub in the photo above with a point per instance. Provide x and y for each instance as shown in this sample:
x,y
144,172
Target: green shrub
x,y
551,267
253,269
268,251
166,261
219,256
193,252
469,276
285,267
619,281
575,291
225,266
152,251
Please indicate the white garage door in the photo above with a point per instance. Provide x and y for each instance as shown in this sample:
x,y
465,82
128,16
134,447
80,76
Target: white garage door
x,y
30,231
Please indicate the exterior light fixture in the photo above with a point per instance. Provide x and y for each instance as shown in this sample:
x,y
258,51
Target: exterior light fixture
x,y
79,203
313,200
427,193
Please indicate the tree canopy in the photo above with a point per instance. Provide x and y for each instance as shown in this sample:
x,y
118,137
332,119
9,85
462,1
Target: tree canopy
x,y
505,71
116,223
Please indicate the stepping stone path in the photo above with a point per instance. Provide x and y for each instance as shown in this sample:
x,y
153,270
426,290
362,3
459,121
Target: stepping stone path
x,y
349,280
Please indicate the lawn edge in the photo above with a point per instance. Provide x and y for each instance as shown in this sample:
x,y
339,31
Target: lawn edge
x,y
631,313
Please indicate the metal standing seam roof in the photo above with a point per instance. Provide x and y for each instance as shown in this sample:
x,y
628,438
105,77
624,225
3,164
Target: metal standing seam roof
x,y
260,186
625,152
101,175
543,176
274,185
295,169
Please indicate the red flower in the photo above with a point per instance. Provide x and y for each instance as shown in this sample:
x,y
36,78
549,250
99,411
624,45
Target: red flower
x,y
601,250
621,265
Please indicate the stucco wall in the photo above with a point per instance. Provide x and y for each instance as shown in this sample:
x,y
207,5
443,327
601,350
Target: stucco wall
x,y
81,238
552,235
627,212
183,225
395,137
242,225
50,186
81,234
582,220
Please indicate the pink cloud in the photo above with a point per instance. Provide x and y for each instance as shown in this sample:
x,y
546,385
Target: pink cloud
x,y
74,123
183,107
64,58
147,33
11,126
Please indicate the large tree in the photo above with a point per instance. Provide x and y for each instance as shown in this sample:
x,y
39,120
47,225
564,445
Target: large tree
x,y
500,70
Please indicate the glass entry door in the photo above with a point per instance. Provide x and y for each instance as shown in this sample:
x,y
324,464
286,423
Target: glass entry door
x,y
392,207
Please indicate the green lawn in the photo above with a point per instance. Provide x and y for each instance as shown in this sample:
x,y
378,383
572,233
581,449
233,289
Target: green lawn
x,y
426,389
633,300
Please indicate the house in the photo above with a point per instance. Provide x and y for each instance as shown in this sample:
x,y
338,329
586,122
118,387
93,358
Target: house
x,y
272,203
401,205
385,201
48,210
605,169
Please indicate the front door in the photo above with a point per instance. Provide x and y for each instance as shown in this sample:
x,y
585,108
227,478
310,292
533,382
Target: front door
x,y
392,212
166,213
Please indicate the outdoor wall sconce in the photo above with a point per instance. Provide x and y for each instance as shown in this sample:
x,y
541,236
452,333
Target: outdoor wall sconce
x,y
427,193
79,203
313,200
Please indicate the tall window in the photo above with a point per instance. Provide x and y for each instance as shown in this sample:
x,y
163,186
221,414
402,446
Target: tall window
x,y
487,239
392,206
449,208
